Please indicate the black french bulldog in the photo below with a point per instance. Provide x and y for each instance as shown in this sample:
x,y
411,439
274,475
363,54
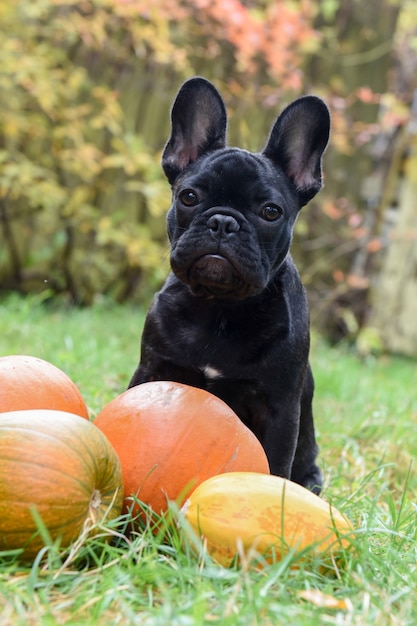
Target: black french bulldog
x,y
233,316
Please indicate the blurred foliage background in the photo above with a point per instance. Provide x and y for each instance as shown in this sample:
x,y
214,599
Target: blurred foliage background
x,y
85,92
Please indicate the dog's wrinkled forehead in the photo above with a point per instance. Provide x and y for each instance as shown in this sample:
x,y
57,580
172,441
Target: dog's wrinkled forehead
x,y
233,171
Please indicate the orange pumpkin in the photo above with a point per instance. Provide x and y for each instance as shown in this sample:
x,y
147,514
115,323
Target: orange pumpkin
x,y
27,382
60,467
171,437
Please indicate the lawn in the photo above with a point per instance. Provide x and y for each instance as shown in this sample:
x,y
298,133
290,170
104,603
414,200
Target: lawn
x,y
366,420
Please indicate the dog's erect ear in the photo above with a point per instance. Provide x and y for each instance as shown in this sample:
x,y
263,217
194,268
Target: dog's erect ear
x,y
297,142
199,121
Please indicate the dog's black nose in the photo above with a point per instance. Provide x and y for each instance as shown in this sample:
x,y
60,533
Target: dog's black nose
x,y
221,224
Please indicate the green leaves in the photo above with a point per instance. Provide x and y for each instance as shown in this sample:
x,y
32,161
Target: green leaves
x,y
67,162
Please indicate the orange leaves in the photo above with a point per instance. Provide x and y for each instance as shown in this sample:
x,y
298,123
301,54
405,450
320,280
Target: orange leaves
x,y
367,96
237,25
287,31
273,36
333,210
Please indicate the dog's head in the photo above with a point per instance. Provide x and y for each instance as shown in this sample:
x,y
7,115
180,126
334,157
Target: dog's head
x,y
233,211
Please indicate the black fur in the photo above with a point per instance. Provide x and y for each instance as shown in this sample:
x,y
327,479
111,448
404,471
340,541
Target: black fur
x,y
232,316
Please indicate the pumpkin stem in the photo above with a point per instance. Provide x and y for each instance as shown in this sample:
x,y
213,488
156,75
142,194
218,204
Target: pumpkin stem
x,y
95,503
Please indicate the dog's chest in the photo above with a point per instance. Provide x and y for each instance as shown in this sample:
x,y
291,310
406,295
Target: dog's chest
x,y
218,346
234,340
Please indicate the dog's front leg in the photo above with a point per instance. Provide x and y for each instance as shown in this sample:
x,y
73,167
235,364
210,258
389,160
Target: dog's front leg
x,y
290,455
279,439
282,420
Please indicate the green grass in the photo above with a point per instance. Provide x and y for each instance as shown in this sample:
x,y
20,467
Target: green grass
x,y
366,420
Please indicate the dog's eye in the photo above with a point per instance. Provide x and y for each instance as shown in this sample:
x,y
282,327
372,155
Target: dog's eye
x,y
271,212
188,197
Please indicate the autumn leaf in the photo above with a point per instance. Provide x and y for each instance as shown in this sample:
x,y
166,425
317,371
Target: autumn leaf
x,y
324,600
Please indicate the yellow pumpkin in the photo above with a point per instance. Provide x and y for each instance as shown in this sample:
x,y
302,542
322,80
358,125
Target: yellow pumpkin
x,y
247,513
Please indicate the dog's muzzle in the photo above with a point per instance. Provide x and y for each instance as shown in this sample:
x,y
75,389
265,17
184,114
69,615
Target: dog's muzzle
x,y
214,276
210,271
